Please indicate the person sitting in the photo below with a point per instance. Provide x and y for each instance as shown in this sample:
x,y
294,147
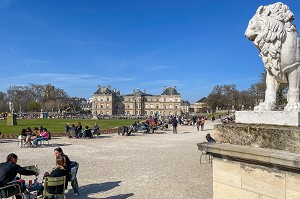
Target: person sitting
x,y
87,133
58,171
22,137
209,138
96,129
28,136
9,171
43,136
78,130
72,131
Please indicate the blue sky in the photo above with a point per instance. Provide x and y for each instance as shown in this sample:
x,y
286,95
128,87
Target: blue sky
x,y
77,45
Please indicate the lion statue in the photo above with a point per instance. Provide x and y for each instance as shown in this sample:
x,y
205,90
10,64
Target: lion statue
x,y
273,33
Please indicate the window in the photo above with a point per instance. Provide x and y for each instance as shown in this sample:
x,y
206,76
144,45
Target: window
x,y
107,99
170,99
157,107
176,99
101,106
170,106
151,106
165,99
176,106
128,106
107,105
146,106
101,99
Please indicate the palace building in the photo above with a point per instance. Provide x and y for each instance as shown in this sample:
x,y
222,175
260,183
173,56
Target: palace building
x,y
107,101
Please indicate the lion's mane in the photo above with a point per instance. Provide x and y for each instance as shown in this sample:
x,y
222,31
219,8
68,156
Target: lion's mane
x,y
275,20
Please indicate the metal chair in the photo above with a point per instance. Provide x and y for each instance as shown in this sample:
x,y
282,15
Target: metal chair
x,y
54,182
10,191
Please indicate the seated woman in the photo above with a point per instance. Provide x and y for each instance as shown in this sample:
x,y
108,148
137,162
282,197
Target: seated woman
x,y
96,129
43,136
22,137
57,171
28,137
35,134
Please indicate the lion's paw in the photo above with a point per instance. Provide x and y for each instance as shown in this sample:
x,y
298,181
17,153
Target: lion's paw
x,y
292,107
264,106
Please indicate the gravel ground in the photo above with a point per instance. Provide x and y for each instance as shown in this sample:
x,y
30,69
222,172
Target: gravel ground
x,y
161,165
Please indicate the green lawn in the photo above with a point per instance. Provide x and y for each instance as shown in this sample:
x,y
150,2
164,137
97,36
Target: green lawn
x,y
57,126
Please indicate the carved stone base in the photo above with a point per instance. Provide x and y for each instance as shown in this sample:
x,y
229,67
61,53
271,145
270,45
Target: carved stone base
x,y
283,118
11,119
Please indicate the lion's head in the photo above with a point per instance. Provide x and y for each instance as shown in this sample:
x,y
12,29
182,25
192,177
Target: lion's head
x,y
267,29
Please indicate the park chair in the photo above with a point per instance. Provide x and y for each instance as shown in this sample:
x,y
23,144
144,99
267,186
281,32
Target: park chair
x,y
10,191
42,142
53,182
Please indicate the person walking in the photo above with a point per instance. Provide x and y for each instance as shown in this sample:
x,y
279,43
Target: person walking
x,y
174,124
198,123
202,121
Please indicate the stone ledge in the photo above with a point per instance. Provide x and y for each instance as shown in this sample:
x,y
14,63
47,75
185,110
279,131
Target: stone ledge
x,y
286,118
253,154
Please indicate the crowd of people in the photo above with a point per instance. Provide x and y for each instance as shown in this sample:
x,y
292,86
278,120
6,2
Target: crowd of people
x,y
63,166
31,138
78,132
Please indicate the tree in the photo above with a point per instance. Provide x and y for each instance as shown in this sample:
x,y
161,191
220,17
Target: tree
x,y
3,102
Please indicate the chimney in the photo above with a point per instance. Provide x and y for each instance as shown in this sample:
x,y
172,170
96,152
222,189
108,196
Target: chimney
x,y
175,87
99,87
165,88
108,87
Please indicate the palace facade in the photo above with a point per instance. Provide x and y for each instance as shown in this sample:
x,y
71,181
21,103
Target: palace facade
x,y
107,101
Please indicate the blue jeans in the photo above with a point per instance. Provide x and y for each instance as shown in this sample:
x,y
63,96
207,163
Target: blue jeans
x,y
36,141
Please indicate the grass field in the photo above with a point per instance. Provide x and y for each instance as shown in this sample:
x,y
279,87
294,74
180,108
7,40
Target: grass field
x,y
58,125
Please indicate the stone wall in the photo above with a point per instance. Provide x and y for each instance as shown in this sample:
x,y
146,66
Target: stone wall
x,y
233,179
264,136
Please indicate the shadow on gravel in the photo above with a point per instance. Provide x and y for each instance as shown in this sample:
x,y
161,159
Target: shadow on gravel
x,y
86,190
8,141
186,132
102,136
55,145
120,196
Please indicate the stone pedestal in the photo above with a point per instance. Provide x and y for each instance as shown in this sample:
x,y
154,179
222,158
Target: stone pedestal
x,y
256,157
11,119
253,173
283,118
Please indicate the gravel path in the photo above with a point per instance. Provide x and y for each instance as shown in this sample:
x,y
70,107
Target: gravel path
x,y
155,166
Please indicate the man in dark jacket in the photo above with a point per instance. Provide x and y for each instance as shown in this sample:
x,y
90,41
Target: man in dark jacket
x,y
174,124
10,169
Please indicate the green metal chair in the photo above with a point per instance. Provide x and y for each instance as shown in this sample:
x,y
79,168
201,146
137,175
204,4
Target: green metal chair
x,y
10,191
54,182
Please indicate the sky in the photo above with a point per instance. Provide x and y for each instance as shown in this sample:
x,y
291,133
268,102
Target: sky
x,y
77,45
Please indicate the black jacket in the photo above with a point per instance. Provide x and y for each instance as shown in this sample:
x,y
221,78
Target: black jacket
x,y
57,172
9,171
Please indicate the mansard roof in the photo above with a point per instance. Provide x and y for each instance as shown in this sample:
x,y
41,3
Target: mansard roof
x,y
103,90
170,91
138,92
